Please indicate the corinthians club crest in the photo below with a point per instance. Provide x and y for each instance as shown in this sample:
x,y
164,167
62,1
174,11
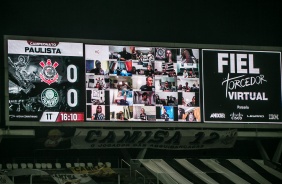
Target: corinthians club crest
x,y
49,74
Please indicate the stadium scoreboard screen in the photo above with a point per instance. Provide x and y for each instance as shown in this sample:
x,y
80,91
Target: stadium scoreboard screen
x,y
70,82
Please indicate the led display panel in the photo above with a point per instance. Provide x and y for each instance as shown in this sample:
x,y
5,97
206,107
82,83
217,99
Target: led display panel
x,y
136,84
74,83
241,86
46,81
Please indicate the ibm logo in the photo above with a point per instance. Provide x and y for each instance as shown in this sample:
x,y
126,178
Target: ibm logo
x,y
273,116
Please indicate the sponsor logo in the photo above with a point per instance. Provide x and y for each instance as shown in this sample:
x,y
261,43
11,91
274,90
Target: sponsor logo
x,y
49,74
273,116
255,116
46,44
243,107
217,115
236,116
49,97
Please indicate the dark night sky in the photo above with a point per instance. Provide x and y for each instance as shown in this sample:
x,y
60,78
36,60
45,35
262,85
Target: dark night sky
x,y
251,22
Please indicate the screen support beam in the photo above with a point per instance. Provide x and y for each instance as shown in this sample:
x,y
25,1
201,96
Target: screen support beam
x,y
278,152
262,151
140,155
274,163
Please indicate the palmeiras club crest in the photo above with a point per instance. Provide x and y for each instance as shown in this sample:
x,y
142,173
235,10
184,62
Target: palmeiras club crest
x,y
49,74
49,97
